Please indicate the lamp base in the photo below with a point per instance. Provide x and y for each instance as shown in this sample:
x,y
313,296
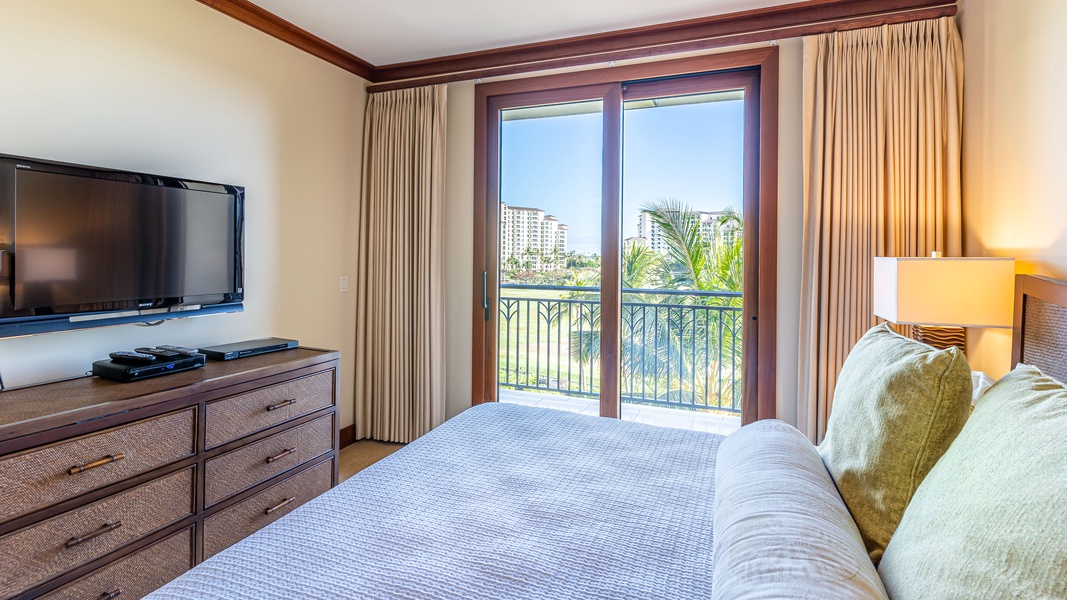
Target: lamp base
x,y
941,337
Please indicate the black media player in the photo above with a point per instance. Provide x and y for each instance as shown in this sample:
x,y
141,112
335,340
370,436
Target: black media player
x,y
110,369
248,348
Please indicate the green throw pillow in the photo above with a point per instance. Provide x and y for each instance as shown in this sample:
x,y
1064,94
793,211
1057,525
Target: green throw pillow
x,y
897,406
990,521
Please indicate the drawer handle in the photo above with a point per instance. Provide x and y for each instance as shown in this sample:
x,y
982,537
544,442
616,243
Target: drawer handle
x,y
288,402
280,504
280,455
107,460
110,595
105,528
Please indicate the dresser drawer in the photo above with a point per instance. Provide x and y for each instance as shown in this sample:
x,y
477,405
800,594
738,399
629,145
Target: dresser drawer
x,y
235,417
227,527
78,536
244,467
45,476
136,575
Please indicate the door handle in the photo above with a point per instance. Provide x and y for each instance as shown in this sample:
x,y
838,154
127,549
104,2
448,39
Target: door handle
x,y
485,293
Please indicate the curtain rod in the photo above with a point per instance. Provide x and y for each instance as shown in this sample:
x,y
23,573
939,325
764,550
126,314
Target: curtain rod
x,y
764,35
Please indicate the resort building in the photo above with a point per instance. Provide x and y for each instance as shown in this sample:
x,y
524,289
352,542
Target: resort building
x,y
531,238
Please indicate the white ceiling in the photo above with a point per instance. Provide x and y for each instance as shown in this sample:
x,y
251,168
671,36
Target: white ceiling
x,y
391,31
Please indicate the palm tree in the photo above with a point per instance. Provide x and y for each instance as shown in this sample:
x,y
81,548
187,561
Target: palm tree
x,y
699,261
696,261
729,259
686,264
637,264
512,264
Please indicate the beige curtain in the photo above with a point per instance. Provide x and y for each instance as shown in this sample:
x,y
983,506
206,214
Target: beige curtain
x,y
883,114
399,371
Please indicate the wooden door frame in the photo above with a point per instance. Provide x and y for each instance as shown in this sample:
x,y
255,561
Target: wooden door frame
x,y
486,210
761,137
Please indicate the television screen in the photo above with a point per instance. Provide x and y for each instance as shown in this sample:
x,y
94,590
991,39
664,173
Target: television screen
x,y
86,241
89,241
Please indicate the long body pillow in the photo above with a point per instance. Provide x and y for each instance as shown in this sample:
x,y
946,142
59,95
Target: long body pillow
x,y
781,528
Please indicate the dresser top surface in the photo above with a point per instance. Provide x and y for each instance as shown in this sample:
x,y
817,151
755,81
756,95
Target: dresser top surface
x,y
69,402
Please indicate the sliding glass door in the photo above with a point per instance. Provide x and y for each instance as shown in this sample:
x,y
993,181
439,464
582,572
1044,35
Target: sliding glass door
x,y
619,227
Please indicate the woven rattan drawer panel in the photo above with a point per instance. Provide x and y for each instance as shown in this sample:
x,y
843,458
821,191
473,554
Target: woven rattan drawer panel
x,y
136,575
47,549
245,467
40,478
227,527
238,416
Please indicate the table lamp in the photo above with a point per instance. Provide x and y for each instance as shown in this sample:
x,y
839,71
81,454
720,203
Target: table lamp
x,y
941,296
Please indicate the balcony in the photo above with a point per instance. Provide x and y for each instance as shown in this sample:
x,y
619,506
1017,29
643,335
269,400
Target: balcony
x,y
681,353
720,423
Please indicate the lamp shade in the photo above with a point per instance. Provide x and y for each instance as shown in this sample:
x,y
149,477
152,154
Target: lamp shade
x,y
959,292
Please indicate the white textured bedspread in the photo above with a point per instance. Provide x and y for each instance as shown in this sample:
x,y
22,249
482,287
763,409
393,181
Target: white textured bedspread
x,y
502,501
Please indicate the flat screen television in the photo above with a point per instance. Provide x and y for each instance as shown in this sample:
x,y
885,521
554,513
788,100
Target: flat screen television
x,y
84,247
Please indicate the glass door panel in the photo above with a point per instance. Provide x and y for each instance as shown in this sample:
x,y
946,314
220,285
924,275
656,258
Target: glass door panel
x,y
682,257
549,256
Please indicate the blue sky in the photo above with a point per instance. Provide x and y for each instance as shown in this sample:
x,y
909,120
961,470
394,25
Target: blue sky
x,y
690,152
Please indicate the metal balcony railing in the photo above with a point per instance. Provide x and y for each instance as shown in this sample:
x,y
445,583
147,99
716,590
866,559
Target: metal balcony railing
x,y
680,348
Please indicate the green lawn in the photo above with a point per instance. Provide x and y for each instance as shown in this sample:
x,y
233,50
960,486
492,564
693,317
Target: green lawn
x,y
543,355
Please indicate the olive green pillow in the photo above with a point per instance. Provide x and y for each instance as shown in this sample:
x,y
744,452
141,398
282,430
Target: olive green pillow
x,y
990,520
897,406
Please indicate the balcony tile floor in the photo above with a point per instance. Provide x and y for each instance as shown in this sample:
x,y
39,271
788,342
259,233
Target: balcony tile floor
x,y
651,415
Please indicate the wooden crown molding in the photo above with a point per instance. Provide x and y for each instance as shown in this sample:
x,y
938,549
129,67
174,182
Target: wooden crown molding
x,y
275,26
676,48
774,17
759,25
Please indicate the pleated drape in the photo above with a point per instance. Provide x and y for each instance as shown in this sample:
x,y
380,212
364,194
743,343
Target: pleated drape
x,y
399,372
883,111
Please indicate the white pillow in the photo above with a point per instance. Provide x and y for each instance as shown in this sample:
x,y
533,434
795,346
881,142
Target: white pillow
x,y
980,382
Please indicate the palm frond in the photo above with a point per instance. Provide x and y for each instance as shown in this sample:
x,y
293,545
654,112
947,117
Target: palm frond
x,y
687,249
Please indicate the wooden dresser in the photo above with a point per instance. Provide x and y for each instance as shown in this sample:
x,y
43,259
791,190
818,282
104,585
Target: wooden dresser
x,y
109,490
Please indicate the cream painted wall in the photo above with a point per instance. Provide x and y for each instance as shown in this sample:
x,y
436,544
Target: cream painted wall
x,y
790,221
175,88
459,199
1015,145
459,246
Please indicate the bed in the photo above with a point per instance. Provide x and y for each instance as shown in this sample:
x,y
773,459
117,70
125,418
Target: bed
x,y
508,501
502,501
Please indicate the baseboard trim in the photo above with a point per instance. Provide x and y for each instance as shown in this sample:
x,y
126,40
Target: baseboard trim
x,y
348,435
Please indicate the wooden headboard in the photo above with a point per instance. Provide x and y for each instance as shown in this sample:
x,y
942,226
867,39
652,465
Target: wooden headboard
x,y
1039,335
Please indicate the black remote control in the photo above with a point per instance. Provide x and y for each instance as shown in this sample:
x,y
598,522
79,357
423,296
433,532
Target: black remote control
x,y
132,358
179,349
161,353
